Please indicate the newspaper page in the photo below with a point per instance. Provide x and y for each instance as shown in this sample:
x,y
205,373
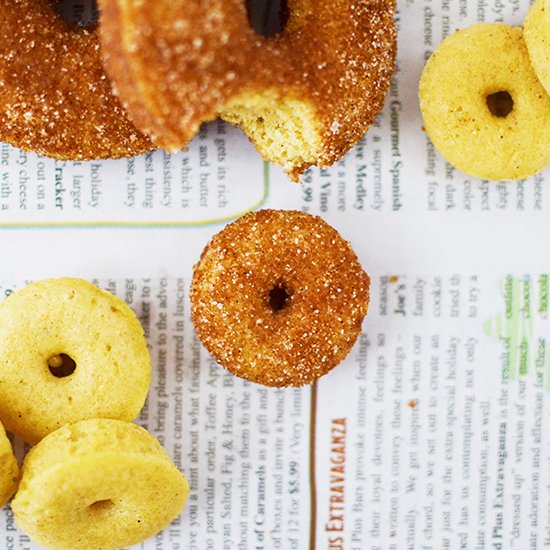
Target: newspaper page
x,y
433,434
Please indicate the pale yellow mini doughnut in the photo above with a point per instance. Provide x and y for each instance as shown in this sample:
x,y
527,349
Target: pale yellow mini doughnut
x,y
69,351
9,470
483,106
536,33
98,485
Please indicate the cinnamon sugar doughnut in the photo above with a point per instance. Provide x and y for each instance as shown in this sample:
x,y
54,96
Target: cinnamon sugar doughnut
x,y
55,99
303,96
98,485
278,297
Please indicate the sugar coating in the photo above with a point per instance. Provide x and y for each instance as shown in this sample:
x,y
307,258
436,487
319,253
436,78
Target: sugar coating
x,y
98,484
536,33
9,469
96,329
55,98
328,296
304,96
469,65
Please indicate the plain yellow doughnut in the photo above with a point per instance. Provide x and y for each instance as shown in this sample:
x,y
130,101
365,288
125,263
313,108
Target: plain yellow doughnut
x,y
45,324
484,67
536,33
98,485
9,469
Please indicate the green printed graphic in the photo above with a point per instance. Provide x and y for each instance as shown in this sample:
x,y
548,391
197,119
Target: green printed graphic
x,y
521,328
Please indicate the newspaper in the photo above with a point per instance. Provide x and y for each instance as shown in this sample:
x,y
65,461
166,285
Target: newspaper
x,y
432,434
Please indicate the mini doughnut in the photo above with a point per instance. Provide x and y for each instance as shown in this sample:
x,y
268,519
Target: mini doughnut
x,y
98,485
55,99
9,470
483,106
69,351
278,297
304,96
536,33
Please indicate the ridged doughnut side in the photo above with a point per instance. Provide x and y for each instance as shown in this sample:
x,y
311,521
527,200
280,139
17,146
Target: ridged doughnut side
x,y
98,435
98,484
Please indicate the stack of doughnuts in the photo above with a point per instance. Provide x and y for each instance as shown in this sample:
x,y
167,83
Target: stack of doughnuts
x,y
74,371
303,96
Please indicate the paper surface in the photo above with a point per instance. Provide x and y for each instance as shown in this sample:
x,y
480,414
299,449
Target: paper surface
x,y
433,434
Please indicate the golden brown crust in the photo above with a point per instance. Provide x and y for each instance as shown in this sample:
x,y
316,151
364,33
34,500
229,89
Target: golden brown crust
x,y
55,98
336,55
328,296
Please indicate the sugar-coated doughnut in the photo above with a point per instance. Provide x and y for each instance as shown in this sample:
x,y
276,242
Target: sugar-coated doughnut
x,y
536,33
278,297
483,106
304,96
98,485
69,351
55,99
9,469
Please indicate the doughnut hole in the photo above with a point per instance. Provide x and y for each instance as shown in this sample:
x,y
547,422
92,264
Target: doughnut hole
x,y
267,17
101,506
500,104
278,298
61,365
83,13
